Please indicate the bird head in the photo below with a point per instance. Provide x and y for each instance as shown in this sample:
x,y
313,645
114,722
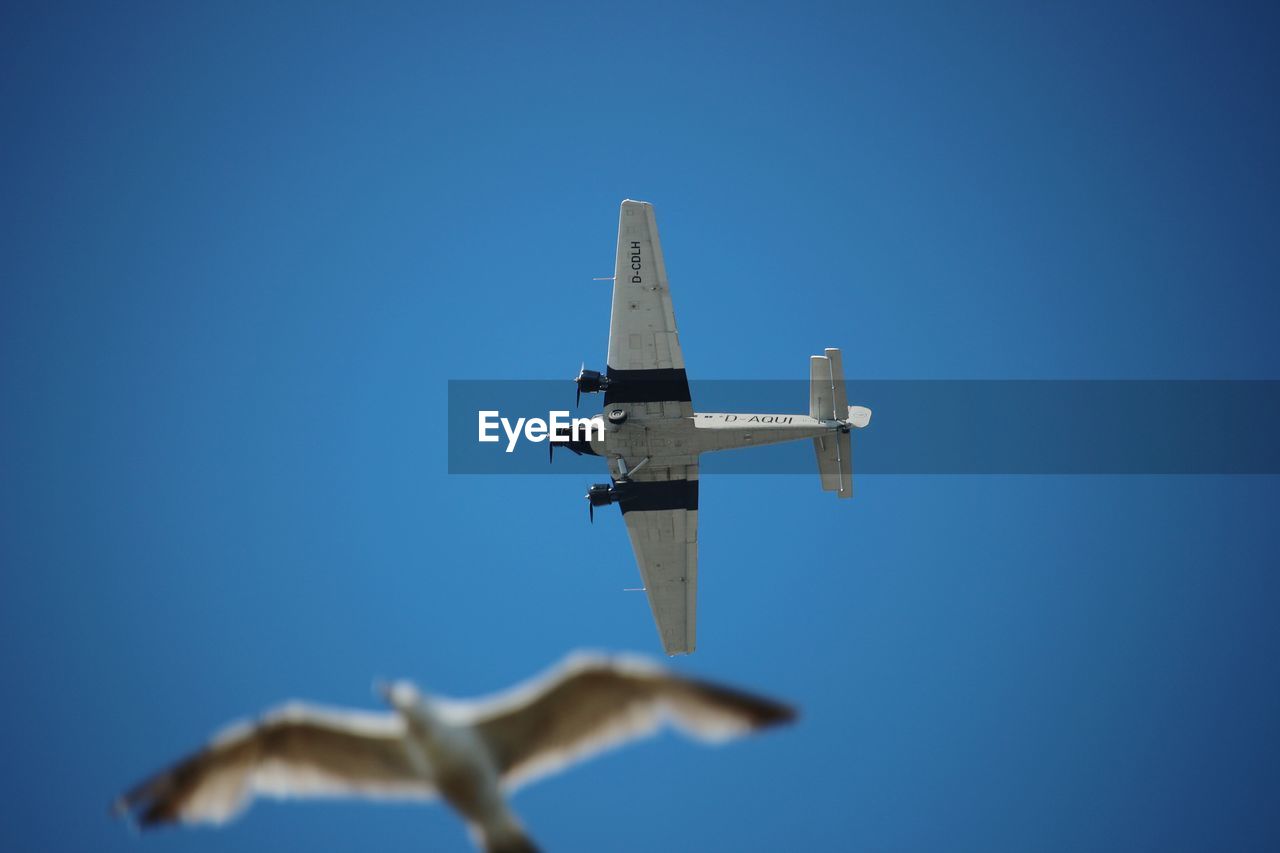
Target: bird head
x,y
413,705
402,695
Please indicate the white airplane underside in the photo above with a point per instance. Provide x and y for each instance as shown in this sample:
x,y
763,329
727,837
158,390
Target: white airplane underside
x,y
653,437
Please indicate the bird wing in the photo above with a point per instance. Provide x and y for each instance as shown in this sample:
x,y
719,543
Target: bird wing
x,y
294,751
591,704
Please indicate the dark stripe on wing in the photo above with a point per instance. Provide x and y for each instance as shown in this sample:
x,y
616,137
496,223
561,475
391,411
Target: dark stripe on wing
x,y
661,385
659,495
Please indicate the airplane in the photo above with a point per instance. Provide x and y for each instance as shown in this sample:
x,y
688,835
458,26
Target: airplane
x,y
652,437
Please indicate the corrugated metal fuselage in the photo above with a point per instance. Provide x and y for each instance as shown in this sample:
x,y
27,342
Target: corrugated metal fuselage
x,y
678,441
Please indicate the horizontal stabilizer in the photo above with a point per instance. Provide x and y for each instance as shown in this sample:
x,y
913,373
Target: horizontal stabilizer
x,y
820,397
828,400
835,463
840,398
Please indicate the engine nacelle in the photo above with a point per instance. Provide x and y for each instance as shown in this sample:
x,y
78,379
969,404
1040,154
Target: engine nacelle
x,y
591,382
601,494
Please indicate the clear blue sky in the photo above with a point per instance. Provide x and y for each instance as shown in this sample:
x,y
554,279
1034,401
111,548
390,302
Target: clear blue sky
x,y
243,250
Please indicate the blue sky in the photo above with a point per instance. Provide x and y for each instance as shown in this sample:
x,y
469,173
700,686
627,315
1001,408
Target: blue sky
x,y
244,249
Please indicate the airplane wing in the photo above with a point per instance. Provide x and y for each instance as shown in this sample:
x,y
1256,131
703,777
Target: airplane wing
x,y
646,377
662,521
645,366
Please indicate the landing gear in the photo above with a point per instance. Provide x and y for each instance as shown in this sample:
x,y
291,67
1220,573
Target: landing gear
x,y
617,417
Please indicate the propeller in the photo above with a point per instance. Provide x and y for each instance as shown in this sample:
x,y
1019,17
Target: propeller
x,y
551,444
602,494
562,436
591,381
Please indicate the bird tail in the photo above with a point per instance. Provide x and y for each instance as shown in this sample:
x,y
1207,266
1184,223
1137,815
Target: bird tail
x,y
519,843
500,832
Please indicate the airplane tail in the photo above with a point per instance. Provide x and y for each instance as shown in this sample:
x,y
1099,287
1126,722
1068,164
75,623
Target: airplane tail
x,y
835,463
829,401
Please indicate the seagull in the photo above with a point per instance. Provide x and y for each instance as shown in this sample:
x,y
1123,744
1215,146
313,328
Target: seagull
x,y
469,753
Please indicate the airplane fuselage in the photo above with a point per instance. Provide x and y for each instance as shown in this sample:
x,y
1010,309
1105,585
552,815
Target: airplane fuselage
x,y
679,441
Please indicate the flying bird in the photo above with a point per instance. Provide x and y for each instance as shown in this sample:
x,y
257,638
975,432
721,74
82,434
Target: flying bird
x,y
471,754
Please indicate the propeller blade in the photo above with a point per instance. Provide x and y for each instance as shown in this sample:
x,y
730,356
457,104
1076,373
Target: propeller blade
x,y
551,451
591,511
